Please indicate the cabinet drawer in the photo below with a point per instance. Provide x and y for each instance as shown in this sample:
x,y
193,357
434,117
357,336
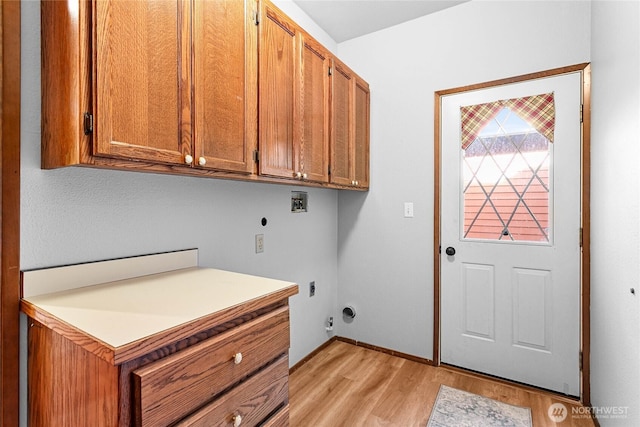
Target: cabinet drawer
x,y
279,419
168,389
249,403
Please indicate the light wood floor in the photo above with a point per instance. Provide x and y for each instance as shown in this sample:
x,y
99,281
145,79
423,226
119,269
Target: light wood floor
x,y
347,385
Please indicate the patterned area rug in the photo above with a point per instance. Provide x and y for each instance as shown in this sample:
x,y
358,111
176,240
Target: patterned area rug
x,y
457,408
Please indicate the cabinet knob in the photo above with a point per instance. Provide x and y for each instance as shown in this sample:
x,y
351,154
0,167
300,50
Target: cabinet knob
x,y
304,176
237,420
237,358
298,175
202,161
188,159
357,183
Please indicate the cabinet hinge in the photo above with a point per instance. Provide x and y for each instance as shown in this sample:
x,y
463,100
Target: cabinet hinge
x,y
256,17
256,156
581,113
581,234
330,71
88,123
581,363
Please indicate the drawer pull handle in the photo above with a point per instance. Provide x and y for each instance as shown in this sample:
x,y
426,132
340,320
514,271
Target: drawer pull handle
x,y
237,420
237,358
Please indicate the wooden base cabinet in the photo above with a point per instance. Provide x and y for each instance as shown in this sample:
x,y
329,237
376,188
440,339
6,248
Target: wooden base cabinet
x,y
232,374
68,385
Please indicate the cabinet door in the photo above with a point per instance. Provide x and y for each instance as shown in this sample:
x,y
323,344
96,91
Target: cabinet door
x,y
314,146
225,84
142,80
342,129
361,137
279,100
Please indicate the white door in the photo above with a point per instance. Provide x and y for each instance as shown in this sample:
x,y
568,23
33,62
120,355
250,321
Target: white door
x,y
510,209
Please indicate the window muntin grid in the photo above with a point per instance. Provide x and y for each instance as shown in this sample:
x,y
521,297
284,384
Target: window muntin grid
x,y
506,183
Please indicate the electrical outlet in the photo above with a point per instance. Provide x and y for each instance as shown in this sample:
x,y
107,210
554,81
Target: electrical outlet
x,y
329,326
312,288
259,243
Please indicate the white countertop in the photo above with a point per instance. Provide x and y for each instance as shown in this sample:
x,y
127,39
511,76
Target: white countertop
x,y
121,312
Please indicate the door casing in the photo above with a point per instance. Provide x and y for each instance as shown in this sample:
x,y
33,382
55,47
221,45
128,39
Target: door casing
x,y
585,70
10,217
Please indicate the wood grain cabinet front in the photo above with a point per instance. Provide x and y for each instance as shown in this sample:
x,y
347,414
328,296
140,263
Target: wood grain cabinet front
x,y
254,402
279,116
233,374
164,85
315,103
142,79
225,84
226,89
349,127
172,387
294,100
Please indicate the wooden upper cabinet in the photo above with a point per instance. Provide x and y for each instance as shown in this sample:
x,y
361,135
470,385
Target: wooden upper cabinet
x,y
142,80
361,136
196,88
225,84
279,93
314,144
173,83
349,128
342,129
294,100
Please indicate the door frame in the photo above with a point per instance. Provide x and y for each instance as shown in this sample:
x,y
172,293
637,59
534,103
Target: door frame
x,y
585,184
10,217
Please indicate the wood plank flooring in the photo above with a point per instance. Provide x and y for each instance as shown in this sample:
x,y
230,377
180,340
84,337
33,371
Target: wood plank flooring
x,y
348,385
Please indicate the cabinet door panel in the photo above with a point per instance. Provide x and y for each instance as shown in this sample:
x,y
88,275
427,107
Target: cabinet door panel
x,y
341,123
142,80
361,137
225,83
278,93
314,150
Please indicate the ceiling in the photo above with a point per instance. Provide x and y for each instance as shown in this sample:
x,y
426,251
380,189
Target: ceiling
x,y
347,19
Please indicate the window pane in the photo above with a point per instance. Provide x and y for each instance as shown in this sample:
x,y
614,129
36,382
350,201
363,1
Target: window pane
x,y
506,182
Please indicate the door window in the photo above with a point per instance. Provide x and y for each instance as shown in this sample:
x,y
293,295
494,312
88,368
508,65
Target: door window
x,y
506,164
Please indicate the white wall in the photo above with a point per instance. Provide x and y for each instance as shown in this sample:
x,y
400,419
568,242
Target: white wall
x,y
75,215
615,197
385,262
